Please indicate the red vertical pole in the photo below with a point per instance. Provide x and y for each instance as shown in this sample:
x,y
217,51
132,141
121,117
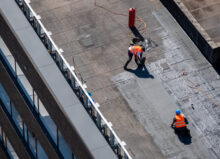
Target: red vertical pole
x,y
131,20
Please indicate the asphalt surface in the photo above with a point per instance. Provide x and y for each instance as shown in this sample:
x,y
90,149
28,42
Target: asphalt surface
x,y
140,102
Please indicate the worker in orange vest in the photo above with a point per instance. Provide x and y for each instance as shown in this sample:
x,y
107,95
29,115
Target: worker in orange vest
x,y
179,122
137,51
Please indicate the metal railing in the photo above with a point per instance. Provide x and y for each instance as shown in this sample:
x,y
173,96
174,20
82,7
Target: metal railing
x,y
78,87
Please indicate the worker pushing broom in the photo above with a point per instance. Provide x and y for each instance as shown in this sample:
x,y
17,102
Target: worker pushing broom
x,y
137,51
134,49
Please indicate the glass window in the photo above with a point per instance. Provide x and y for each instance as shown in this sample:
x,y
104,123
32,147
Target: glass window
x,y
11,150
11,61
4,139
23,82
29,137
48,122
74,157
5,98
32,142
64,148
4,48
17,118
18,69
40,151
35,101
25,131
26,84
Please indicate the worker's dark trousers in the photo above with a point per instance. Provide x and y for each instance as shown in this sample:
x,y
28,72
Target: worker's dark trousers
x,y
183,129
130,55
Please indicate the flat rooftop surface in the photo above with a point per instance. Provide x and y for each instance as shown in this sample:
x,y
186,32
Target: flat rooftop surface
x,y
140,103
207,13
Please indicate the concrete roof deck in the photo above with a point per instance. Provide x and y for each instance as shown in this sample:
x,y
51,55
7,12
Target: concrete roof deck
x,y
207,13
139,103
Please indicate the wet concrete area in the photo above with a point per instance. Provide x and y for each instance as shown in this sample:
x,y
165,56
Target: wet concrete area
x,y
140,102
207,13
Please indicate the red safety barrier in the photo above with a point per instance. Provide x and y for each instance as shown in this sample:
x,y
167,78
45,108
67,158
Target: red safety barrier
x,y
131,20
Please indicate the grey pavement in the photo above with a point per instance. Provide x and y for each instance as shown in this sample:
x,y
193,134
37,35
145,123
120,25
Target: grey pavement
x,y
140,103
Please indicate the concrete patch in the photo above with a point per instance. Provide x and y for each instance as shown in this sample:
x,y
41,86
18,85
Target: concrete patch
x,y
154,108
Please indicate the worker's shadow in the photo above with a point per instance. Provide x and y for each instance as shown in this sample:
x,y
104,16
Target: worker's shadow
x,y
141,71
184,137
137,33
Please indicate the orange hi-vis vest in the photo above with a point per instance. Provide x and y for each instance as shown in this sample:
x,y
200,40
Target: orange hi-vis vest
x,y
180,121
135,50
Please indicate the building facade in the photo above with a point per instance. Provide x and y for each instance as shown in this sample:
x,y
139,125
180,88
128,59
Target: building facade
x,y
45,110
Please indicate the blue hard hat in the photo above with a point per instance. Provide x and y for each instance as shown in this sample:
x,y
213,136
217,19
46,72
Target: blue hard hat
x,y
178,111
